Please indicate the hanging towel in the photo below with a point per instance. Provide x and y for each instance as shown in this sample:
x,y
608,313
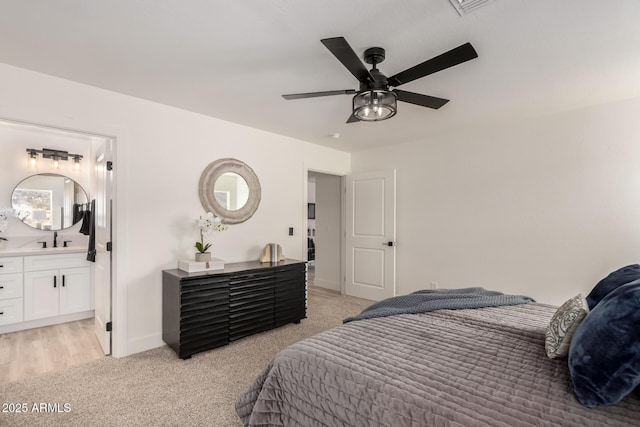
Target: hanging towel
x,y
78,212
91,252
86,221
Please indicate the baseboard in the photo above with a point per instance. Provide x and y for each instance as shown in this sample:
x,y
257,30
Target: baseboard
x,y
148,342
327,284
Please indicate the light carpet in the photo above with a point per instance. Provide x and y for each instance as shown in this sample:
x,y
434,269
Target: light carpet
x,y
155,388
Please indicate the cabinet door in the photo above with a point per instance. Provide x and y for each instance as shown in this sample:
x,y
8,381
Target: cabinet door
x,y
40,294
290,293
250,303
204,317
75,290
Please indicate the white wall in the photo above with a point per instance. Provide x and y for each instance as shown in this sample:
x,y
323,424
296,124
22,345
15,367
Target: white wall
x,y
545,207
160,153
14,141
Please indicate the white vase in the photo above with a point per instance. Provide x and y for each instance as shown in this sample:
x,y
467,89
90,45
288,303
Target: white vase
x,y
203,256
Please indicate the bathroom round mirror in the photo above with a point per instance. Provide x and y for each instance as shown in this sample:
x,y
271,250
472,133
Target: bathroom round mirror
x,y
49,201
230,189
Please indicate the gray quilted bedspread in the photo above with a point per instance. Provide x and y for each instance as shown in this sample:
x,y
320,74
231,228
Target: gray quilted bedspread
x,y
476,367
431,300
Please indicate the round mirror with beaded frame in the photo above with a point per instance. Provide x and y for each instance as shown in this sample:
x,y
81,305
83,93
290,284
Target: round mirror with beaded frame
x,y
206,190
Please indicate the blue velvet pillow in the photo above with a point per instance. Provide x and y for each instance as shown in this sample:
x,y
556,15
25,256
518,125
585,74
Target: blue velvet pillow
x,y
617,278
604,358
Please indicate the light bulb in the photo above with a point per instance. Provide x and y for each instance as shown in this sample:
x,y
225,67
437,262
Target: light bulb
x,y
55,163
76,164
366,111
32,159
32,162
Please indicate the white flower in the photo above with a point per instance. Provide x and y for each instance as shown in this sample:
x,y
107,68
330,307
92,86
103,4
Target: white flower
x,y
5,214
207,226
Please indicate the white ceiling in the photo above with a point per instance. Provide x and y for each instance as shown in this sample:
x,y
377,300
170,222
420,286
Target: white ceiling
x,y
233,59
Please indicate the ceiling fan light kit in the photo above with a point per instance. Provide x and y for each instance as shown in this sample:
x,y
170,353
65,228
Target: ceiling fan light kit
x,y
375,105
376,101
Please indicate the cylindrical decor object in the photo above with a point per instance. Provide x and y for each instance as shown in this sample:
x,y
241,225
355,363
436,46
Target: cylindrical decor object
x,y
275,255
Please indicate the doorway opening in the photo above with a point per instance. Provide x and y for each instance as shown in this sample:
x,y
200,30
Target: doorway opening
x,y
324,231
52,333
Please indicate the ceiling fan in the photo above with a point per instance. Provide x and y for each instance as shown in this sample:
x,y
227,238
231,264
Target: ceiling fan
x,y
375,101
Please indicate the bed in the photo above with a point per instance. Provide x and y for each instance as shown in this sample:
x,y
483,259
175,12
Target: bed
x,y
470,367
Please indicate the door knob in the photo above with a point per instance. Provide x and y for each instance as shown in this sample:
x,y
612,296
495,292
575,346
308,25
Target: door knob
x,y
389,244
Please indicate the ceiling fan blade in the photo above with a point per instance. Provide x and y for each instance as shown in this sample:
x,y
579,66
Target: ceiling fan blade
x,y
420,99
345,54
352,119
315,94
448,59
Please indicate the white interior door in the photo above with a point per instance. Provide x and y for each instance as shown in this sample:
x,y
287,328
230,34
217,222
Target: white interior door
x,y
102,270
371,235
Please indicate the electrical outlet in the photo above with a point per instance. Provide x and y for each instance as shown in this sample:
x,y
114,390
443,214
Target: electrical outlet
x,y
434,285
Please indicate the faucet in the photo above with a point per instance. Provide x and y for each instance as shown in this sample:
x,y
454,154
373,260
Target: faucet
x,y
55,239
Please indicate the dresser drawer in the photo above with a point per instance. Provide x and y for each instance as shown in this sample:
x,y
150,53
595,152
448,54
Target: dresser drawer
x,y
10,311
10,264
57,261
10,286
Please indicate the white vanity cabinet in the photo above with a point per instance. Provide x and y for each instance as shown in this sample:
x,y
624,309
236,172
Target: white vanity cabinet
x,y
11,290
44,287
56,285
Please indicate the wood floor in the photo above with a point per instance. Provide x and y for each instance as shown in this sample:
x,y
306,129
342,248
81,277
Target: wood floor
x,y
33,352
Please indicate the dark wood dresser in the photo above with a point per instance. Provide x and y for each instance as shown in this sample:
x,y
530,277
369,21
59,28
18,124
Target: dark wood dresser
x,y
201,311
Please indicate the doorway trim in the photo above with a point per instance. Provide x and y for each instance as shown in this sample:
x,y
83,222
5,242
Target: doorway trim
x,y
305,220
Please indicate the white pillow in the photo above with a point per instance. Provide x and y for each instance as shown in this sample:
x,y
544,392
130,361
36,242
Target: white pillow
x,y
562,326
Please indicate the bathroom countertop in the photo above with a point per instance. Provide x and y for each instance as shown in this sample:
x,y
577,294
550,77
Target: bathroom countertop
x,y
5,252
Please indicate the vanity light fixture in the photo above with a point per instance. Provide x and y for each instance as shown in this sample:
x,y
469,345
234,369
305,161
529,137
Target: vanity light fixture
x,y
76,162
55,161
32,159
55,155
